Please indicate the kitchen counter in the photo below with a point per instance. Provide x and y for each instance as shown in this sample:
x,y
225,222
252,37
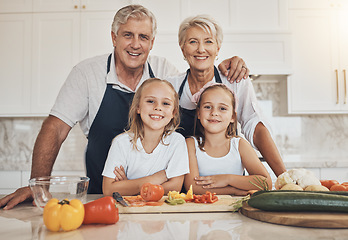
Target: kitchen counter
x,y
25,222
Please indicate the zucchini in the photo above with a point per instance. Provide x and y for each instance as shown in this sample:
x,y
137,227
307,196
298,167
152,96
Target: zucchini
x,y
282,201
344,193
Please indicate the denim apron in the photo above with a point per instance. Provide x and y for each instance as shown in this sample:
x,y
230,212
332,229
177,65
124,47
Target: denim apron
x,y
111,120
187,116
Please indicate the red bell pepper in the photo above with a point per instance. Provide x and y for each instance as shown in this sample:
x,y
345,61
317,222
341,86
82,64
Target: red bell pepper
x,y
208,197
102,210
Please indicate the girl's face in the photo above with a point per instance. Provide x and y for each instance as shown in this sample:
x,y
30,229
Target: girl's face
x,y
156,106
200,49
216,110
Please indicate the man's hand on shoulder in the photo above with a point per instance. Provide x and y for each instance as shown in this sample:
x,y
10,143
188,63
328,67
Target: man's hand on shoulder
x,y
234,69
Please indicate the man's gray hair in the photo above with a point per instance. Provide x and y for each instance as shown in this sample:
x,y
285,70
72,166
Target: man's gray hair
x,y
133,11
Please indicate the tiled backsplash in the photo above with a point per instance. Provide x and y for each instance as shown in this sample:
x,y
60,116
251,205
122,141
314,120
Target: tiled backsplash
x,y
315,136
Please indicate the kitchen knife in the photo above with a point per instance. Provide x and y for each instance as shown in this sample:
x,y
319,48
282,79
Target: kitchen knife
x,y
117,196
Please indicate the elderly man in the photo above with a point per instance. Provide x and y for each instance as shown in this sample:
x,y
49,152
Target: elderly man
x,y
97,94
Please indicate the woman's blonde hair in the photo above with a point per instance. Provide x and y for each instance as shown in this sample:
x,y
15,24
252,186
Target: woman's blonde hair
x,y
232,127
207,23
135,123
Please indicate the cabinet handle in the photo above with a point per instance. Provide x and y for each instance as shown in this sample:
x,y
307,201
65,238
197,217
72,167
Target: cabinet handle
x,y
75,6
84,6
345,86
337,86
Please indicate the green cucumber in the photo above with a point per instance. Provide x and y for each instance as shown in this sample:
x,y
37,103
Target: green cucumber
x,y
282,201
344,193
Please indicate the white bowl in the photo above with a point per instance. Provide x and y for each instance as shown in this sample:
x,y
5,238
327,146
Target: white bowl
x,y
60,187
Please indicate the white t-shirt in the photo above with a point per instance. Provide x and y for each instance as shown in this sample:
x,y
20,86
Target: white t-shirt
x,y
248,112
172,156
231,163
82,93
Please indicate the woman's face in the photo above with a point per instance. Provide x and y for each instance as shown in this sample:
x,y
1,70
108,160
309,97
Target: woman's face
x,y
200,49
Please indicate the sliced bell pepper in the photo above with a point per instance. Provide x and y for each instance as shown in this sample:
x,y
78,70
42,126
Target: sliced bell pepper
x,y
208,197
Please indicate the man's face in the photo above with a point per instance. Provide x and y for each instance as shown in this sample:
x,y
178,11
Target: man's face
x,y
133,43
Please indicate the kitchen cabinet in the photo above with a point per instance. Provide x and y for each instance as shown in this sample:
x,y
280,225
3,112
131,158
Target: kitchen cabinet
x,y
16,6
55,50
77,5
58,34
255,30
15,62
318,84
41,48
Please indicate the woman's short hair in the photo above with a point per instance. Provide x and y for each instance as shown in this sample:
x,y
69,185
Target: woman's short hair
x,y
133,11
205,22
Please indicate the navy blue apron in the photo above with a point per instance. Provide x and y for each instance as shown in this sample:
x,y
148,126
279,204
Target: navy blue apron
x,y
111,120
187,116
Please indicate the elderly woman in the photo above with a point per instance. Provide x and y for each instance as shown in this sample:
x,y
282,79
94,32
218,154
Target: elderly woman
x,y
200,40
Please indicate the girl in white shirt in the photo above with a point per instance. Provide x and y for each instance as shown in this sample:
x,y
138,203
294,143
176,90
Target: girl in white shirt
x,y
151,150
217,156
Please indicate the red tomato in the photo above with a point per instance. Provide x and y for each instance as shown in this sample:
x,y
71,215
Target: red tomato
x,y
339,187
328,183
151,192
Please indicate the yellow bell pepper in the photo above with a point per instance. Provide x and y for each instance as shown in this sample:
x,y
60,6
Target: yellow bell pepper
x,y
177,195
65,214
189,194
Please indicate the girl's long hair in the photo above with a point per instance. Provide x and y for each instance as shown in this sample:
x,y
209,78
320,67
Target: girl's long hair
x,y
135,123
232,127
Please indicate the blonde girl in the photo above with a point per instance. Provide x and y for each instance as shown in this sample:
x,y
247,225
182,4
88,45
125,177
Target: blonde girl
x,y
151,150
217,156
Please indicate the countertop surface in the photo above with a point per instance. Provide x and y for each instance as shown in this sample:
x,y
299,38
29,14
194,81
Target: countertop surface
x,y
25,222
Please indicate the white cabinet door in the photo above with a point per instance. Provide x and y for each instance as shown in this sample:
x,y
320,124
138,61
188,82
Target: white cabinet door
x,y
312,87
78,5
258,16
103,5
15,6
56,38
343,57
15,69
56,6
96,33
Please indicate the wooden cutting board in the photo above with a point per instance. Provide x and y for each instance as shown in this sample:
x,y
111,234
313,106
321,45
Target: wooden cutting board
x,y
224,204
299,219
